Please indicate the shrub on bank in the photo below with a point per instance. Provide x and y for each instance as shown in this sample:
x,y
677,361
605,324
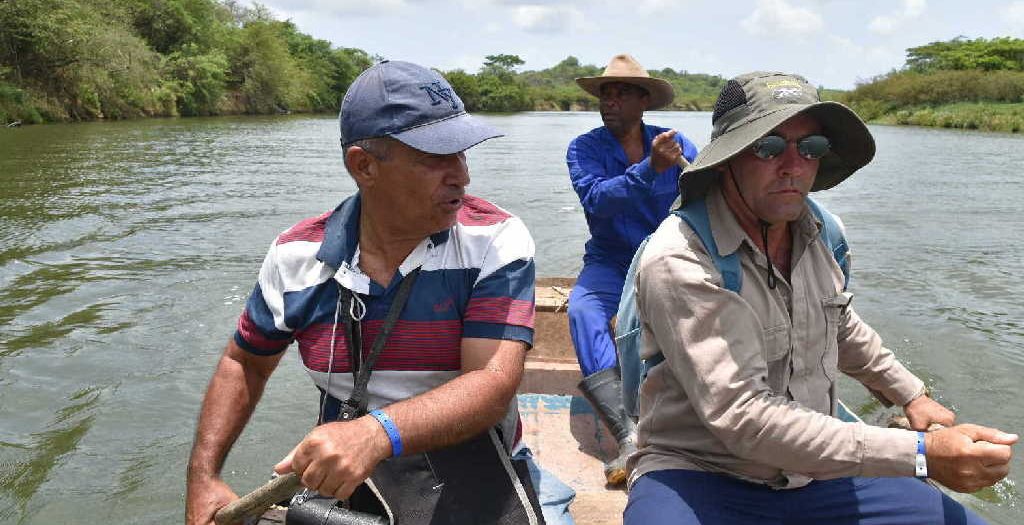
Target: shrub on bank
x,y
15,106
965,99
967,115
907,88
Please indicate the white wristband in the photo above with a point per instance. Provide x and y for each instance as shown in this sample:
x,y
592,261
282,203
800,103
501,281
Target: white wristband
x,y
920,461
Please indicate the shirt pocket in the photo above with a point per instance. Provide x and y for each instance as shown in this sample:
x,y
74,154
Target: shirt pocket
x,y
833,308
777,349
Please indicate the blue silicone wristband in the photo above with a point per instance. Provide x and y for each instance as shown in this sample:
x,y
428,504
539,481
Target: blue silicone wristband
x,y
920,459
391,429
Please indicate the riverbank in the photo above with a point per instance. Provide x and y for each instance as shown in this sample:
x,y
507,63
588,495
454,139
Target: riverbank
x,y
18,108
26,110
1007,118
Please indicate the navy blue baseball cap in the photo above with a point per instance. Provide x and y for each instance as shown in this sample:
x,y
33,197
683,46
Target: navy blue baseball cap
x,y
411,104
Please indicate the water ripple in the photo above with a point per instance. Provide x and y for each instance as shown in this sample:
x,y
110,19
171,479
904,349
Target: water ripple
x,y
21,478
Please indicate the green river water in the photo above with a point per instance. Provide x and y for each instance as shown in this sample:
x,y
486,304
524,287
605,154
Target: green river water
x,y
127,250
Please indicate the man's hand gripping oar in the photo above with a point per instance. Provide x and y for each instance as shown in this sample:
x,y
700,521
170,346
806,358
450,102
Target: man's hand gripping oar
x,y
258,501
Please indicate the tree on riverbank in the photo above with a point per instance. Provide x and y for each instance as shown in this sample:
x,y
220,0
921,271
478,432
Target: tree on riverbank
x,y
89,59
497,87
64,60
960,83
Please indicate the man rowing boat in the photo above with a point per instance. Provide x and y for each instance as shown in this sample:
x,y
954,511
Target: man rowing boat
x,y
625,174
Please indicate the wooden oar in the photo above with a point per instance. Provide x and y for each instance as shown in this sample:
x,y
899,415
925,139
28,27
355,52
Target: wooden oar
x,y
258,501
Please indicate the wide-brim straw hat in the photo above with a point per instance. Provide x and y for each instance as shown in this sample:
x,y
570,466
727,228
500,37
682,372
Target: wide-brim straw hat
x,y
752,105
624,68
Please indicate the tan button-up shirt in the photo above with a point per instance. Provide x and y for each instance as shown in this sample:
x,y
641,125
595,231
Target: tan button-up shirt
x,y
747,387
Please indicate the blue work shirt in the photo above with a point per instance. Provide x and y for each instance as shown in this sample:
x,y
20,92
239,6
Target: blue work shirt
x,y
623,203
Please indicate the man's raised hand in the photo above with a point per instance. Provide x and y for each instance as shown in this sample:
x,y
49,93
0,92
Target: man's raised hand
x,y
665,151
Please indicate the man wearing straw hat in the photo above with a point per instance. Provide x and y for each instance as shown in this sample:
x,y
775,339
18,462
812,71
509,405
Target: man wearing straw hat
x,y
625,174
738,411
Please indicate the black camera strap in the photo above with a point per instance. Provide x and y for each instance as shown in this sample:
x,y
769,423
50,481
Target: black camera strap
x,y
356,404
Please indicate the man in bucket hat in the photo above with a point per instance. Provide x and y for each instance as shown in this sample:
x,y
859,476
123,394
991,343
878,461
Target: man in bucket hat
x,y
437,285
738,410
625,174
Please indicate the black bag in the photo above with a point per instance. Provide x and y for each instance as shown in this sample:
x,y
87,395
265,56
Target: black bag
x,y
473,482
321,510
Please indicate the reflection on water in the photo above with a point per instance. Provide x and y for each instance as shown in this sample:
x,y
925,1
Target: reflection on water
x,y
21,479
127,250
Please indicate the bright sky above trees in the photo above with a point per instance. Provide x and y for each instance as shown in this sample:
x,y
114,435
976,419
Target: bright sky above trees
x,y
834,43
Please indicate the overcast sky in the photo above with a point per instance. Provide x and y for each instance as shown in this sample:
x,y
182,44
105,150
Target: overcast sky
x,y
834,43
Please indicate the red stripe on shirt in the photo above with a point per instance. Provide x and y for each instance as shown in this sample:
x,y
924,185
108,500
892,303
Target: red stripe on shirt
x,y
252,335
500,310
478,212
311,230
413,346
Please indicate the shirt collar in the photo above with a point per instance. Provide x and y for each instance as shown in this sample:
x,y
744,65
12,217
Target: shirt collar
x,y
341,236
619,152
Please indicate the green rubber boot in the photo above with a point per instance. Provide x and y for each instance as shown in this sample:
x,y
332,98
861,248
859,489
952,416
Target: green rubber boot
x,y
604,392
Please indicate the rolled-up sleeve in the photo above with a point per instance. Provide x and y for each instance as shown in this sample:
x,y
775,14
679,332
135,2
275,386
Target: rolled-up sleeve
x,y
714,347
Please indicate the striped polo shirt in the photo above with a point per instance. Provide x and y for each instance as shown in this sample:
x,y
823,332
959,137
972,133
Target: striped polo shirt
x,y
476,280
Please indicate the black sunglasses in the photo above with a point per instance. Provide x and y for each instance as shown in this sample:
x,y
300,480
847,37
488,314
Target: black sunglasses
x,y
811,147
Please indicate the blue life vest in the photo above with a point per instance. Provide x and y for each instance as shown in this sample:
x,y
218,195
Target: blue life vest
x,y
695,213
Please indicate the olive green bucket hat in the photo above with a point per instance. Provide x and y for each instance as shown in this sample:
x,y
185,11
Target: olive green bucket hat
x,y
750,106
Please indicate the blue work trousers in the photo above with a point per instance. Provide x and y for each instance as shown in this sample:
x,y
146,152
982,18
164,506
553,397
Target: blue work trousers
x,y
553,495
687,497
592,304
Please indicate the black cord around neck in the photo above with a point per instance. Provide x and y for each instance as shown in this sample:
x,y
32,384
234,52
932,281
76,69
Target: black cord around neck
x,y
762,223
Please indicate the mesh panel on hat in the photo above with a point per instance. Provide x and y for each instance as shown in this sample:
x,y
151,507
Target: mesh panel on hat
x,y
731,97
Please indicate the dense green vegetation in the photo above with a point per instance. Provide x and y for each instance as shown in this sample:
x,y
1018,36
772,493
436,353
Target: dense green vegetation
x,y
89,59
960,83
93,59
498,87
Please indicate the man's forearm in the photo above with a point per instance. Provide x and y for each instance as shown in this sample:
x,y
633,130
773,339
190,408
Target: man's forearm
x,y
230,400
862,357
334,458
458,409
607,197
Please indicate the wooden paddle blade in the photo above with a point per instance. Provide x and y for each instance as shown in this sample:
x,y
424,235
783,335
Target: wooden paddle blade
x,y
259,500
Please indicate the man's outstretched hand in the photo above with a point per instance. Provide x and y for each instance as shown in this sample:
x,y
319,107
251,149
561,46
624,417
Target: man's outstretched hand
x,y
665,151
